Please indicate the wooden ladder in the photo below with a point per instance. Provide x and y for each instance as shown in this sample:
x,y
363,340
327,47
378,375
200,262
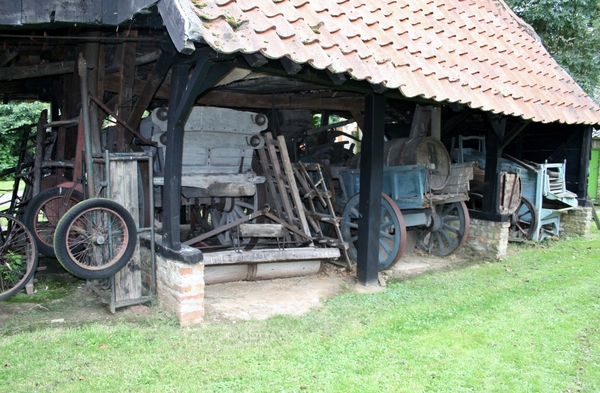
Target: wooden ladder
x,y
319,207
282,191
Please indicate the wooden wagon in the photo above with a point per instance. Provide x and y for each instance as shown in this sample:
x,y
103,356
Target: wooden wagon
x,y
427,197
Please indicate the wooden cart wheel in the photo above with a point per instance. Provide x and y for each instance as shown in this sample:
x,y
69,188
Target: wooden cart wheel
x,y
44,212
231,209
95,239
447,231
523,222
392,231
18,256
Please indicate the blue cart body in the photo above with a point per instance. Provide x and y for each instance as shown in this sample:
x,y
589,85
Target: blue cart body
x,y
544,185
408,186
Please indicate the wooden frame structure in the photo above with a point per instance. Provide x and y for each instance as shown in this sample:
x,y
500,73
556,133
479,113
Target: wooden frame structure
x,y
138,68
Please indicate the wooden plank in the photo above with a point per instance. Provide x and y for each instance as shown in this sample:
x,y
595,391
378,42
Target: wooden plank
x,y
357,114
350,103
261,230
345,103
100,82
35,71
271,255
287,166
124,190
144,59
158,73
266,167
287,214
112,83
127,76
39,152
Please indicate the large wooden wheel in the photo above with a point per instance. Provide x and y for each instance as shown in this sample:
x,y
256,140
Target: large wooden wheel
x,y
447,230
523,221
227,210
392,231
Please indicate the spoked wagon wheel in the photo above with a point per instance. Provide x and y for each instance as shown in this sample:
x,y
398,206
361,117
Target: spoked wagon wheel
x,y
447,231
44,212
227,210
95,239
523,221
18,256
392,231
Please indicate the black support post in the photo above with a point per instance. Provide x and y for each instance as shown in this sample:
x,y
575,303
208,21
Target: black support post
x,y
584,166
493,161
173,160
183,96
371,178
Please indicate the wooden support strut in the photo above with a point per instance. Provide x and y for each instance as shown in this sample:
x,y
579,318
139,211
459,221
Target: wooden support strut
x,y
183,96
491,193
264,212
127,77
122,122
371,181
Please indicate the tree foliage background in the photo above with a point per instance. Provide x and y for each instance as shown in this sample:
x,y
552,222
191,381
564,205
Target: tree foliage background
x,y
570,30
12,116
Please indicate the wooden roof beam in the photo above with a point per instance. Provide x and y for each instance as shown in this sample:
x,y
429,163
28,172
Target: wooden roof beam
x,y
35,71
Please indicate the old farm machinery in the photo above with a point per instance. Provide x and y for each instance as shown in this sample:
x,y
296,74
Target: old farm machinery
x,y
240,189
221,185
423,196
533,195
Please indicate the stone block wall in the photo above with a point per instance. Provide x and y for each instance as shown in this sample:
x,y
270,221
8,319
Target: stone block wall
x,y
179,280
576,222
487,239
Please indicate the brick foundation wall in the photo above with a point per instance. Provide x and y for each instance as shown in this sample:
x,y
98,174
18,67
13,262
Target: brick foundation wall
x,y
487,239
179,280
576,222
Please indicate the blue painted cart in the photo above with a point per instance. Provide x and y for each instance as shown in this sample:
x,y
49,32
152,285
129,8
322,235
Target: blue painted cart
x,y
544,197
440,217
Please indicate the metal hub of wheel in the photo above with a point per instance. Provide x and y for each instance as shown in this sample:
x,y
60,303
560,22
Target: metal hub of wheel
x,y
436,222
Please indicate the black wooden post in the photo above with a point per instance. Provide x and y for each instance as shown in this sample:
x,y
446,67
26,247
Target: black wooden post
x,y
493,161
173,159
203,77
371,178
584,166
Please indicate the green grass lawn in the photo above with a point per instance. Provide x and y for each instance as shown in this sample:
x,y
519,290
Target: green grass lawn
x,y
529,323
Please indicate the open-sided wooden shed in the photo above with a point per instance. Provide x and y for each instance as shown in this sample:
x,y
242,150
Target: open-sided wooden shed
x,y
480,66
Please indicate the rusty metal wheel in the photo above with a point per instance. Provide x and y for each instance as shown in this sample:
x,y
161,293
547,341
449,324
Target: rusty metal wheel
x,y
18,256
44,212
95,239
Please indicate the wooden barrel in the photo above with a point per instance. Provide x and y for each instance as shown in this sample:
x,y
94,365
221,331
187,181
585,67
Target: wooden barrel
x,y
417,151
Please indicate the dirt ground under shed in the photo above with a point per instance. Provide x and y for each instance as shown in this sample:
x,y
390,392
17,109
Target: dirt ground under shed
x,y
62,300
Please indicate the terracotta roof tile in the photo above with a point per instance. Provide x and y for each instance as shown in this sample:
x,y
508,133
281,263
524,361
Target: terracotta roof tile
x,y
476,53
